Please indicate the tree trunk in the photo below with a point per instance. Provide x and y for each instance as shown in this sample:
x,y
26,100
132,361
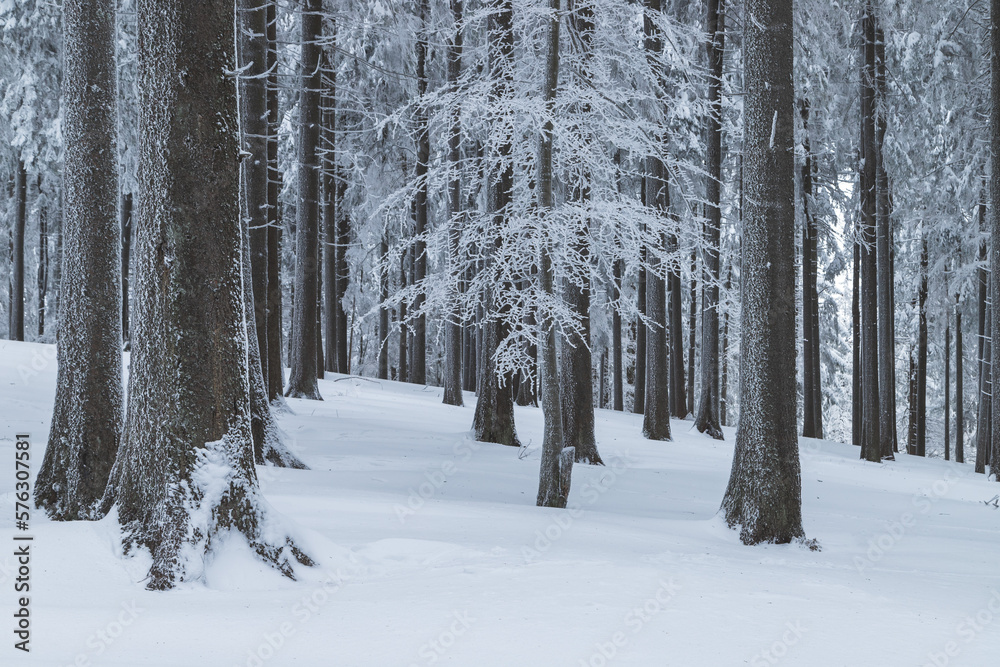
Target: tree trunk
x,y
692,330
16,326
42,277
126,232
656,419
402,373
639,393
812,416
675,315
419,369
189,405
764,495
617,379
947,393
983,354
87,419
871,441
911,433
275,369
383,311
994,455
343,224
329,188
856,370
252,60
922,354
984,435
453,326
724,382
707,420
494,418
959,388
302,380
551,490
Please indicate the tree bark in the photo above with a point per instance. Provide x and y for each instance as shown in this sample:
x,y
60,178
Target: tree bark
x,y
692,330
419,369
275,369
959,388
617,379
639,390
126,232
383,311
707,420
16,311
812,415
995,225
656,419
329,188
42,278
453,326
764,495
302,380
189,404
922,354
87,419
947,393
984,435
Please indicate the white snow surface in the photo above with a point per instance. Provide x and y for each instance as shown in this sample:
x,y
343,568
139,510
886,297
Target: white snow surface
x,y
430,551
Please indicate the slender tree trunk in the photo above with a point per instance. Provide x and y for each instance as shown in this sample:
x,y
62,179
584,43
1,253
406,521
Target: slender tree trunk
x,y
494,418
922,354
692,330
995,226
419,370
320,361
675,315
947,393
87,419
724,382
959,387
453,327
17,255
189,405
403,372
329,189
871,440
42,278
383,311
984,436
557,460
856,370
275,369
639,394
911,434
764,495
252,60
343,240
812,421
126,232
302,380
983,353
617,379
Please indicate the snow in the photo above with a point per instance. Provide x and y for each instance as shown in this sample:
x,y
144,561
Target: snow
x,y
431,551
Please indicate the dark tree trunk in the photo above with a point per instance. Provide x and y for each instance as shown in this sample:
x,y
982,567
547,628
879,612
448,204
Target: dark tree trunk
x,y
418,373
812,415
922,354
675,315
87,419
947,393
617,380
252,60
126,232
343,224
871,440
494,418
656,418
329,189
275,369
764,495
42,277
911,431
707,420
557,460
639,393
302,380
886,301
983,354
320,362
959,388
984,435
383,311
692,330
994,454
856,412
453,326
402,373
724,382
16,310
189,405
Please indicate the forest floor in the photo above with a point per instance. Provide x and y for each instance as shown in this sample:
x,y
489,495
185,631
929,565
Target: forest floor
x,y
430,550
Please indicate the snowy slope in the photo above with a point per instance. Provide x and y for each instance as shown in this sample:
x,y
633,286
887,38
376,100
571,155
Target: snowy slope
x,y
431,551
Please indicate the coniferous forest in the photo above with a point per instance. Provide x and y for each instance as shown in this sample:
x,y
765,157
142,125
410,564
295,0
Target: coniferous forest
x,y
478,332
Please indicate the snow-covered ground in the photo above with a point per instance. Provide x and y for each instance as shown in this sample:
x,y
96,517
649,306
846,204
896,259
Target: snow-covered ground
x,y
431,551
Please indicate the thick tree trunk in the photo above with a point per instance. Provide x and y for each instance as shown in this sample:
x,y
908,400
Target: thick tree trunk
x,y
302,379
494,418
16,311
764,495
453,326
252,60
189,405
656,419
275,369
87,419
707,420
